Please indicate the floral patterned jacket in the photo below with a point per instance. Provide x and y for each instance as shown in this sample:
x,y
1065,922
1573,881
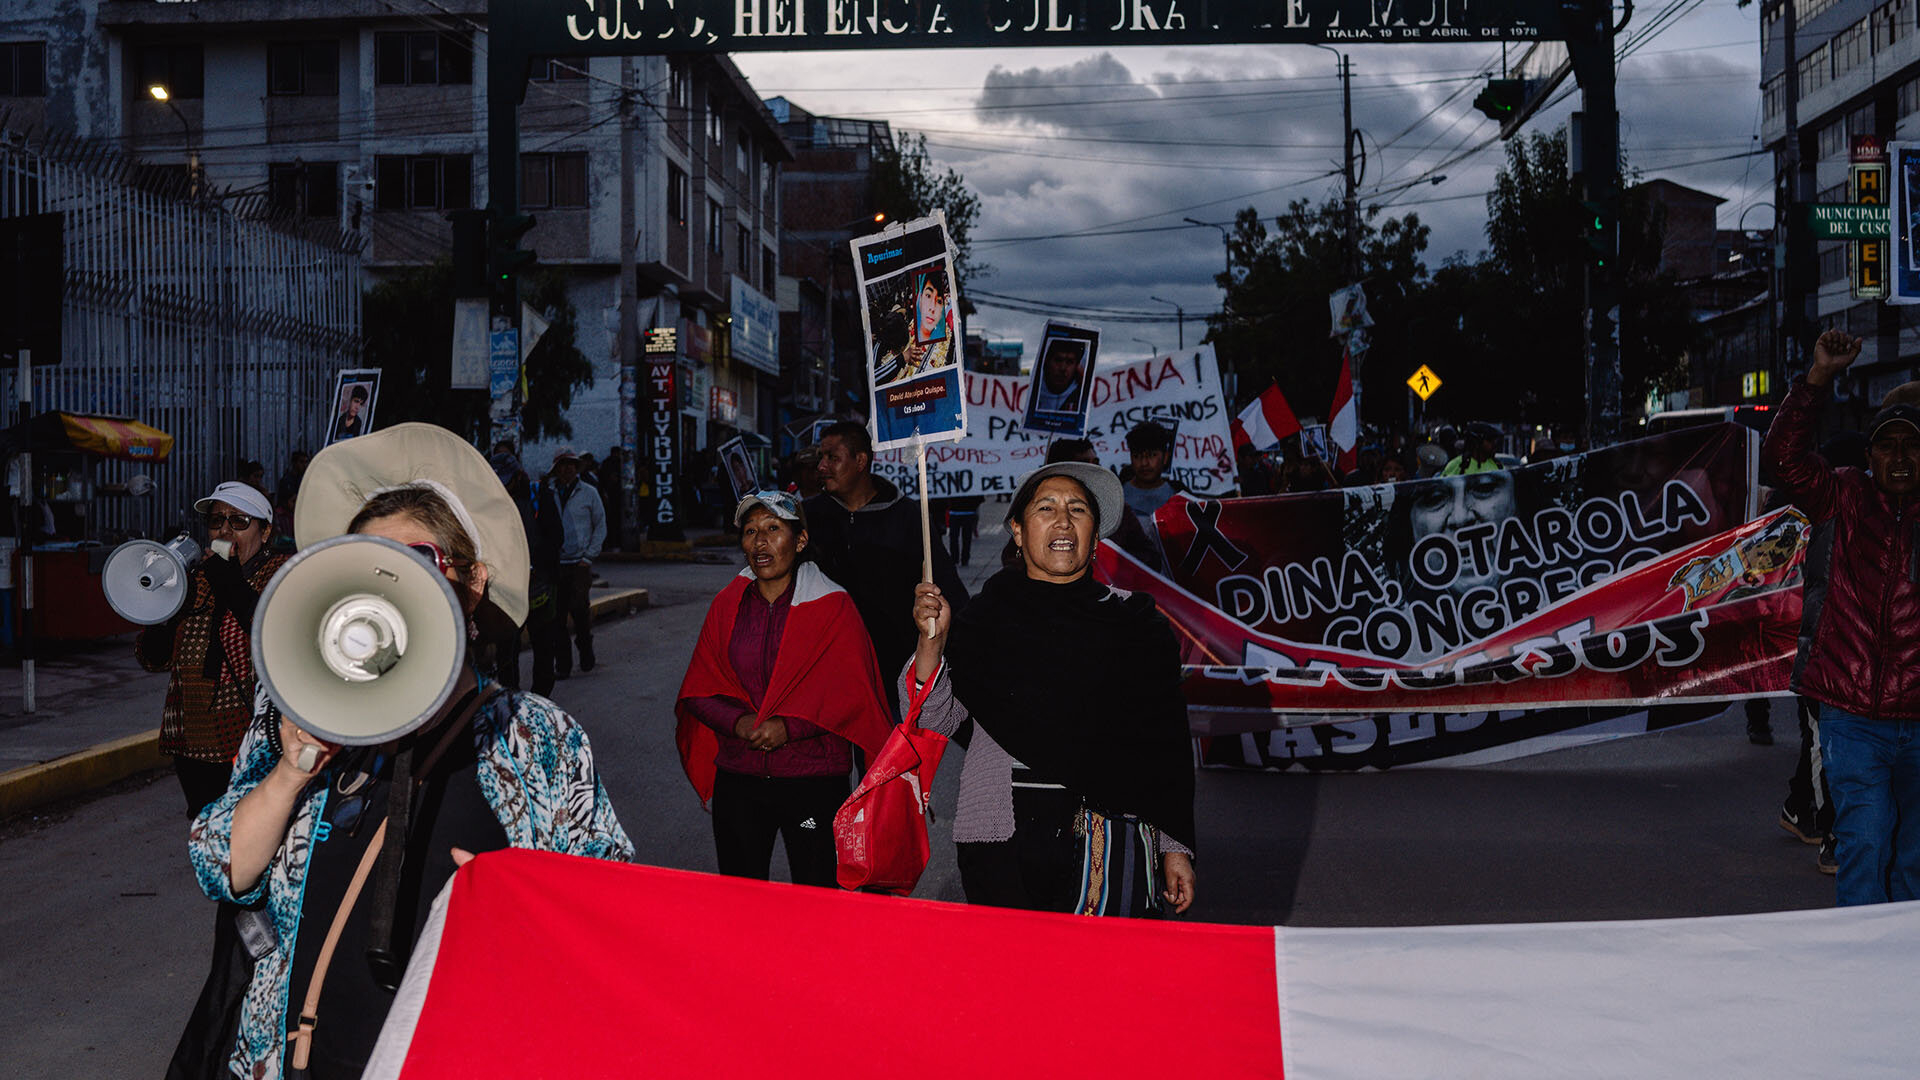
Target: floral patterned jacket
x,y
536,771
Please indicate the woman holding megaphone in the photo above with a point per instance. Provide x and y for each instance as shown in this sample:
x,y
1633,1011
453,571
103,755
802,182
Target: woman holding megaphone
x,y
380,758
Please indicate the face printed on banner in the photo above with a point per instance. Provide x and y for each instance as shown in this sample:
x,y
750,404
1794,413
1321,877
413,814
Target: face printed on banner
x,y
1064,367
771,544
1056,532
1455,502
930,308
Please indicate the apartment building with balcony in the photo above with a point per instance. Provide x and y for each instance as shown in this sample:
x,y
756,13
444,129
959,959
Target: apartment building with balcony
x,y
361,116
1853,69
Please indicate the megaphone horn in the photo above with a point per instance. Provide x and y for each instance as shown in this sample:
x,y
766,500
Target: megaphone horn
x,y
358,640
146,582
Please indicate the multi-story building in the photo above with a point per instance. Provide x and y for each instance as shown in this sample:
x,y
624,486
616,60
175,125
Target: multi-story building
x,y
1852,68
372,120
828,197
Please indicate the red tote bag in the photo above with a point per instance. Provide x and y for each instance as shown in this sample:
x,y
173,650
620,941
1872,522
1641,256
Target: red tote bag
x,y
880,832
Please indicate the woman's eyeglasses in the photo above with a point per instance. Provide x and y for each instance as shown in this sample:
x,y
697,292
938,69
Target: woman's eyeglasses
x,y
236,522
431,552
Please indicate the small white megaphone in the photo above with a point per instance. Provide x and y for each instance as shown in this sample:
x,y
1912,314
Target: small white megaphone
x,y
146,582
358,640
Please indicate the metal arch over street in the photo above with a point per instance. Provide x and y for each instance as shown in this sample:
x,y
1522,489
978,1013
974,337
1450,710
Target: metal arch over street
x,y
599,27
519,30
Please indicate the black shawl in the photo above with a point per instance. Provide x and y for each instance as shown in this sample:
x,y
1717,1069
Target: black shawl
x,y
1082,685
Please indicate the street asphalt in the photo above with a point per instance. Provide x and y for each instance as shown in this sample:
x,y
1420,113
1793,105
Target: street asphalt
x,y
106,934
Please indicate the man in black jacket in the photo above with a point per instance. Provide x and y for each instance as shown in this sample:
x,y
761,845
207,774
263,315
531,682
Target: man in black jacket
x,y
866,537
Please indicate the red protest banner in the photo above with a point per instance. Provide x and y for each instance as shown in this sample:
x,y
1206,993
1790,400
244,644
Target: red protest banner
x,y
1595,581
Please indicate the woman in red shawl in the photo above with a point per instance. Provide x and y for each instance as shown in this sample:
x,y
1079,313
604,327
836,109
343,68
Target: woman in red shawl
x,y
783,685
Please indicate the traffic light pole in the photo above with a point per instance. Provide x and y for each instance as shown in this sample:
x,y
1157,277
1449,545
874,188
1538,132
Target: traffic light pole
x,y
1590,45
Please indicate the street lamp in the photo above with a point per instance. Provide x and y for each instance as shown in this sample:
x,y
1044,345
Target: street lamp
x,y
163,94
1226,241
1151,351
1180,316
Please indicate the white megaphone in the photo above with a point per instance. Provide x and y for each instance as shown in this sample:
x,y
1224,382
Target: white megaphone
x,y
146,582
358,640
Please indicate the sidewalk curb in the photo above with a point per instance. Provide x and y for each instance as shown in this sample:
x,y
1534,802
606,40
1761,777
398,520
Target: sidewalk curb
x,y
620,602
33,786
25,788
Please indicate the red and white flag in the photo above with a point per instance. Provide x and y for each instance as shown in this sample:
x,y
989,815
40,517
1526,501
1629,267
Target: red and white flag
x,y
539,965
1344,430
1265,421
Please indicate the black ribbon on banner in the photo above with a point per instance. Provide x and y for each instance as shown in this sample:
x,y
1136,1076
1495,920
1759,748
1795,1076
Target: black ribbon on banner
x,y
1205,516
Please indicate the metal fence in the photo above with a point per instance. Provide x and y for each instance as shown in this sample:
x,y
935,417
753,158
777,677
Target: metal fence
x,y
181,312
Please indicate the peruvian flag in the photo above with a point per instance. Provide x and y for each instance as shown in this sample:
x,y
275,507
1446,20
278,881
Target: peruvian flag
x,y
1265,421
1344,430
542,965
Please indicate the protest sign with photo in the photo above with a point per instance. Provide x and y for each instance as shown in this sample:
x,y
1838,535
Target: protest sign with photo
x,y
741,475
1181,393
350,410
1057,398
1612,580
909,307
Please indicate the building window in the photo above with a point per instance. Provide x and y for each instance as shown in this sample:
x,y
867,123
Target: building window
x,y
677,196
1909,97
679,91
427,182
553,180
716,228
1815,69
1835,194
1770,97
304,68
427,58
716,126
744,253
1833,263
557,69
1851,47
769,270
1831,142
179,68
23,69
304,190
743,156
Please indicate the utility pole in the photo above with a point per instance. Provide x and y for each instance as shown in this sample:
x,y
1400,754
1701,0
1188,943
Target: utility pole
x,y
1179,316
1794,257
629,323
1590,47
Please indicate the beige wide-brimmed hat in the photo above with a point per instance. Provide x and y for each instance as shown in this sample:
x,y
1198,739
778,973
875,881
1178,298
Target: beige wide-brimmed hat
x,y
344,476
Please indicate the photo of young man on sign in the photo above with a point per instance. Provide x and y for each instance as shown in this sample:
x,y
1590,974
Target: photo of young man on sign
x,y
355,393
1058,397
910,309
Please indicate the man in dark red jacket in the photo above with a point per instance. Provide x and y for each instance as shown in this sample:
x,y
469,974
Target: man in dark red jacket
x,y
1859,651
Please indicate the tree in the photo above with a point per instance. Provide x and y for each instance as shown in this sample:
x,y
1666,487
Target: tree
x,y
409,336
1536,224
1275,323
905,184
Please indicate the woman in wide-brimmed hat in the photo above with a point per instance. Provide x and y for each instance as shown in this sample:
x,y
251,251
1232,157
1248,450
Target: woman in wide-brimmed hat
x,y
490,769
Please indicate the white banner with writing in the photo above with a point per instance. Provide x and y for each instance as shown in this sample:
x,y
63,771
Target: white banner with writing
x,y
1181,392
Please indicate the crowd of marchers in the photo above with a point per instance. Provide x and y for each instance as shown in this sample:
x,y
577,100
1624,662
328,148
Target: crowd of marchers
x,y
1077,789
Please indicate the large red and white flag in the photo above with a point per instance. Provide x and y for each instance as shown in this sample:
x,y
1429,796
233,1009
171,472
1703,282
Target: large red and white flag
x,y
1265,421
1343,431
542,965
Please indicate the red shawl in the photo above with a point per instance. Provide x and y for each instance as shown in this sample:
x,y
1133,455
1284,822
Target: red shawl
x,y
824,672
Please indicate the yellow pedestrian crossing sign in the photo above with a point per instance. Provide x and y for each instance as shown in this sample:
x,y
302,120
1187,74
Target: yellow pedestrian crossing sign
x,y
1424,382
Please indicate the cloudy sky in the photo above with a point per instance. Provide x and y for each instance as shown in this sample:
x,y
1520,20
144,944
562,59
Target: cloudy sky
x,y
1130,141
